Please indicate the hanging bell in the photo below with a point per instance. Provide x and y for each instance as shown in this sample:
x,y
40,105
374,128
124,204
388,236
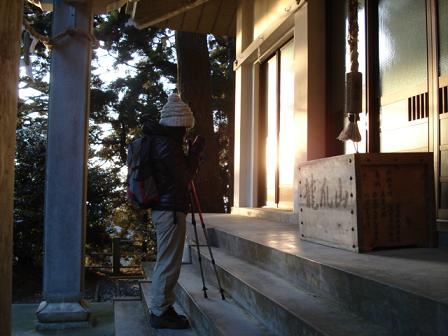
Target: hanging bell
x,y
353,95
353,107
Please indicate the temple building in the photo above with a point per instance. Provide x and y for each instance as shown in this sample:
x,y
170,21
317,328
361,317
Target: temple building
x,y
325,237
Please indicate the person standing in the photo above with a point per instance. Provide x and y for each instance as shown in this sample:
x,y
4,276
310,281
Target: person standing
x,y
172,171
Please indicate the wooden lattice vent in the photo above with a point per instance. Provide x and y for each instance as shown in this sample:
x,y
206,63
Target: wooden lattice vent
x,y
418,107
443,100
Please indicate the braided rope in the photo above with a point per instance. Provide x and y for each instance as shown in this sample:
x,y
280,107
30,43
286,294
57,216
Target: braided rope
x,y
50,43
354,80
44,39
353,34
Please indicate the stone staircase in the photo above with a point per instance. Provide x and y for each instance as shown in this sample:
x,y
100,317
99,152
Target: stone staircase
x,y
276,284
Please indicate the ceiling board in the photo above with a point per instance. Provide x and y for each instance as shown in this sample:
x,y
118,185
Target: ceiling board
x,y
152,12
174,22
99,6
202,16
192,19
211,12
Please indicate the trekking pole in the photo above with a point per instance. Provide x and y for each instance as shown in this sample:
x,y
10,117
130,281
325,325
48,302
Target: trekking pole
x,y
193,222
198,206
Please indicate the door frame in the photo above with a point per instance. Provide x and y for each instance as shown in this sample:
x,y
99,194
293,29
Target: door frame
x,y
263,127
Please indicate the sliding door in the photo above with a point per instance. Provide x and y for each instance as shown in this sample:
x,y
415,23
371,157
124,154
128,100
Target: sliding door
x,y
403,72
279,115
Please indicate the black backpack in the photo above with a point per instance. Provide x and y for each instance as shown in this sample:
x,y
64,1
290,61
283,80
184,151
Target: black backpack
x,y
141,186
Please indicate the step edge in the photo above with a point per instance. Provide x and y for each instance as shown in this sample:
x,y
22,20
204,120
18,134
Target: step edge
x,y
126,298
332,267
440,308
287,216
153,331
211,287
209,322
343,310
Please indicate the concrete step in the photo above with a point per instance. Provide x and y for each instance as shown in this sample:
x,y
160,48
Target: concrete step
x,y
282,307
273,214
208,317
213,316
405,291
129,318
146,298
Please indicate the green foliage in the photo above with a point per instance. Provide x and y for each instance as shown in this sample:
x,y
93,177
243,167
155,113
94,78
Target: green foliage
x,y
149,59
222,56
29,192
30,159
104,195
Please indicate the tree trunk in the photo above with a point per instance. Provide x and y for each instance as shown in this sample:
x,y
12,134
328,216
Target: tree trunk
x,y
10,27
194,86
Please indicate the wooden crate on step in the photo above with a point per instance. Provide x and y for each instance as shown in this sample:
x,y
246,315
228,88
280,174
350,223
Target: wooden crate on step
x,y
361,202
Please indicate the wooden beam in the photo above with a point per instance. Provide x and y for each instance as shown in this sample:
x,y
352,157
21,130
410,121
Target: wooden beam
x,y
316,108
99,6
373,95
170,13
10,29
242,196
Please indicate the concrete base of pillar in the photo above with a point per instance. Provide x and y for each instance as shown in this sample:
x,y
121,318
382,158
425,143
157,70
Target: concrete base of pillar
x,y
62,315
63,325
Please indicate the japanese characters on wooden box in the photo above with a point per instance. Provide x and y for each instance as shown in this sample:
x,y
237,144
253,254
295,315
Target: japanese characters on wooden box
x,y
362,202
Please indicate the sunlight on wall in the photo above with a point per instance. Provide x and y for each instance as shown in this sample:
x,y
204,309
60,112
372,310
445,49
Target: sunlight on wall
x,y
266,12
271,140
287,133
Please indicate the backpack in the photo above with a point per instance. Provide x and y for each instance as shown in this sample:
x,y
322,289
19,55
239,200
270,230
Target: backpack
x,y
141,186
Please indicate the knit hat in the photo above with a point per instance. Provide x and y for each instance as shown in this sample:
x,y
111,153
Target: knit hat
x,y
176,113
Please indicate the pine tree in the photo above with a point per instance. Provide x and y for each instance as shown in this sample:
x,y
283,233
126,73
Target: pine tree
x,y
194,84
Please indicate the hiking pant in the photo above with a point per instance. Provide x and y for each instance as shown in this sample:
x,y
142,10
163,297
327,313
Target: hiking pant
x,y
170,245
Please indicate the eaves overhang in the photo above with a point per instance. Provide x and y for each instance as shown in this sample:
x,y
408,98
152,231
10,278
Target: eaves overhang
x,y
99,6
198,16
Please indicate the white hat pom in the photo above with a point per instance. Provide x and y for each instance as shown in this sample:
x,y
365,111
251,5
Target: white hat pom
x,y
176,113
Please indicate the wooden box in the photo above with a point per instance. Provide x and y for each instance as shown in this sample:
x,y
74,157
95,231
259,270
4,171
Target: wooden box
x,y
362,202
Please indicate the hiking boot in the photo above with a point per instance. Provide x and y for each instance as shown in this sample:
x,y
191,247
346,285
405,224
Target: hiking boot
x,y
170,319
171,312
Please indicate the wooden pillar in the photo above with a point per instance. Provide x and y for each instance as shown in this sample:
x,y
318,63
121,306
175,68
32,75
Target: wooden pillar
x,y
372,80
310,91
317,130
10,28
66,170
243,109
